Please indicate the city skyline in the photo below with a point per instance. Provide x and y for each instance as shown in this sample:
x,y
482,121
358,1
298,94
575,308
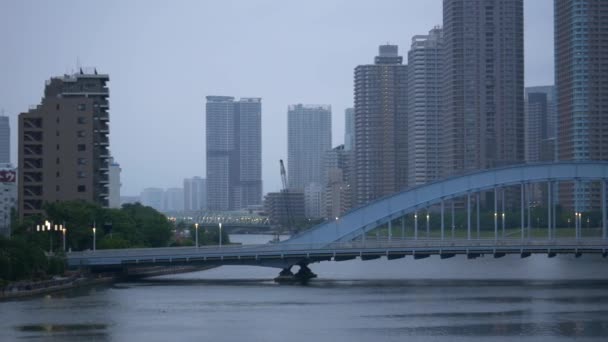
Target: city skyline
x,y
322,78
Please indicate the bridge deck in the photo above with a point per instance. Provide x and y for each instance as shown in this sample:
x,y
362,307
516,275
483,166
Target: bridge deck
x,y
280,255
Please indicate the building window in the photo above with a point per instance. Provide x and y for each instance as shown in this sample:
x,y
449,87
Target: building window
x,y
82,147
57,107
82,174
81,134
57,174
57,161
82,188
82,120
82,161
56,187
82,107
57,147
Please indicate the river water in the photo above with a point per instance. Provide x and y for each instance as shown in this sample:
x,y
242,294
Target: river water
x,y
533,299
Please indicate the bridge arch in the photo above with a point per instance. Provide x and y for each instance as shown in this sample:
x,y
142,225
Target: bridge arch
x,y
375,214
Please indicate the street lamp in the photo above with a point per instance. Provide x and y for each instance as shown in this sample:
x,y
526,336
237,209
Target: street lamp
x,y
220,234
428,229
196,230
94,238
48,226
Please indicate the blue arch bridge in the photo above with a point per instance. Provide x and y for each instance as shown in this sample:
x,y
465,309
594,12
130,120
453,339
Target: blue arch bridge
x,y
350,237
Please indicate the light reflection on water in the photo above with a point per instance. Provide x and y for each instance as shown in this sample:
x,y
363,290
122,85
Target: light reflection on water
x,y
534,299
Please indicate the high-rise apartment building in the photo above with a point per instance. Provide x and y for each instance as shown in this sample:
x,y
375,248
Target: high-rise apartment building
x,y
483,84
63,144
5,140
581,71
195,194
337,181
424,124
234,152
308,138
114,185
381,104
349,129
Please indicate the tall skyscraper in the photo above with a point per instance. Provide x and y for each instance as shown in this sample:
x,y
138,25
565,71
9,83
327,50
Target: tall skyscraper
x,y
424,125
5,140
114,185
234,152
63,144
308,138
483,84
195,194
541,117
249,114
349,129
581,71
381,103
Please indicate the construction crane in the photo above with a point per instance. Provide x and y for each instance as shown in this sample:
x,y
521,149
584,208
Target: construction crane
x,y
283,175
285,196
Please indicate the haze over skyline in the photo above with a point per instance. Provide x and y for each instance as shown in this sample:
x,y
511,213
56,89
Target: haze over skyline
x,y
164,57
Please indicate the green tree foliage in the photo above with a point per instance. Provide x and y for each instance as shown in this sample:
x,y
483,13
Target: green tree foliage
x,y
133,225
22,260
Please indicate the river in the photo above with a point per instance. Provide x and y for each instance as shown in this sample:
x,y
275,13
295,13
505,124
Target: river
x,y
533,299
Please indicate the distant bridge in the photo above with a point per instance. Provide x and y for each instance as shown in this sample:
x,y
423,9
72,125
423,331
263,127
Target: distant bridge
x,y
346,237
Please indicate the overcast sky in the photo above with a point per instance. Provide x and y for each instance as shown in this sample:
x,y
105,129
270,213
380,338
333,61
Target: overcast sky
x,y
164,57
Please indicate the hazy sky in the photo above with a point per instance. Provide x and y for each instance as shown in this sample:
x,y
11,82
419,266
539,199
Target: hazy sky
x,y
164,57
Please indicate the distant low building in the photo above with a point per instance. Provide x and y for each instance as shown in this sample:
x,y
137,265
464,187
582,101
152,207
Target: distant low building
x,y
114,186
153,197
284,208
8,197
195,194
174,200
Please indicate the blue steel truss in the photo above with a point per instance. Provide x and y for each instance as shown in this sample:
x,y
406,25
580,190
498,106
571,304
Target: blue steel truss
x,y
373,215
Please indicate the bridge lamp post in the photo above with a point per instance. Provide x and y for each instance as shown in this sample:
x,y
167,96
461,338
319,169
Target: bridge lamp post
x,y
428,230
503,224
63,231
495,225
94,238
220,234
196,233
415,226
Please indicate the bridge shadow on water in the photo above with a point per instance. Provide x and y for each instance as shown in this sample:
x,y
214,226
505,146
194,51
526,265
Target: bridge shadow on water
x,y
397,284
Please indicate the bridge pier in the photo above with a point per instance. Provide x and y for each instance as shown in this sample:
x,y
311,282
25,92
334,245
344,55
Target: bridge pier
x,y
303,275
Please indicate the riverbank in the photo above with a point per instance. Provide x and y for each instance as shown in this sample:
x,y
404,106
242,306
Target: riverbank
x,y
33,288
23,289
